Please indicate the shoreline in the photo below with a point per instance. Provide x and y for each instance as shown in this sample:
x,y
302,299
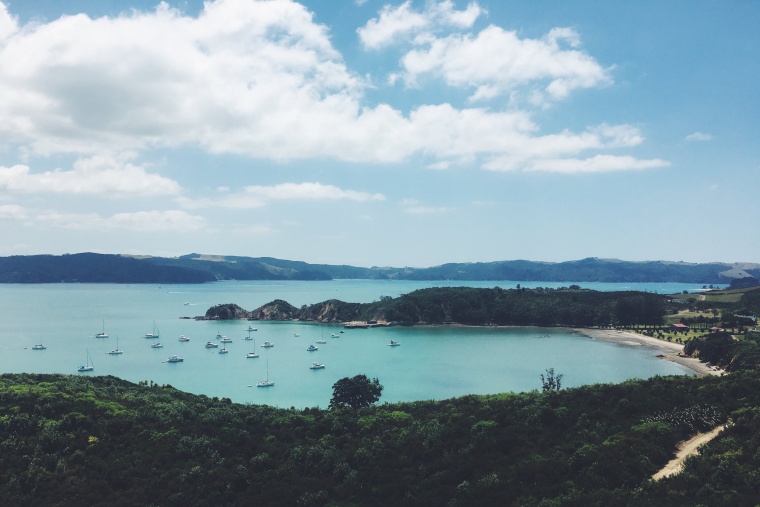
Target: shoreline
x,y
665,350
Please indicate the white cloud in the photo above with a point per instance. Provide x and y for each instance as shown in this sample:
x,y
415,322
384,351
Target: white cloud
x,y
261,79
103,175
398,23
12,211
698,136
8,24
595,164
256,196
497,62
141,221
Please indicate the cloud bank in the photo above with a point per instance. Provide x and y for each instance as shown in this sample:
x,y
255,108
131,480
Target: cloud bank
x,y
261,79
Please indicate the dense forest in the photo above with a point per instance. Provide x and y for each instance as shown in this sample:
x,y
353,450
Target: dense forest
x,y
69,440
197,268
571,306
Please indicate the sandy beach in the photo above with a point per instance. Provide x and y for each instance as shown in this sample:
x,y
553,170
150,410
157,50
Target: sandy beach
x,y
668,350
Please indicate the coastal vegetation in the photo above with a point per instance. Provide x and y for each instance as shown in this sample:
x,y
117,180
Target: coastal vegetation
x,y
571,306
69,440
199,268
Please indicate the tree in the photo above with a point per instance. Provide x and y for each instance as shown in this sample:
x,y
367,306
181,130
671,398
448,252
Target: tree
x,y
551,382
355,392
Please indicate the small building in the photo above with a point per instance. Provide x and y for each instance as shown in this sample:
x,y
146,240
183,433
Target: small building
x,y
680,328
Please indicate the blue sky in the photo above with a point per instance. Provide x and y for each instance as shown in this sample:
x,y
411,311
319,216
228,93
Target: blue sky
x,y
381,133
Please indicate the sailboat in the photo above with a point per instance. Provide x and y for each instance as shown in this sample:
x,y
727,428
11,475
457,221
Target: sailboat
x,y
249,334
116,350
88,366
267,382
322,338
252,354
103,333
154,333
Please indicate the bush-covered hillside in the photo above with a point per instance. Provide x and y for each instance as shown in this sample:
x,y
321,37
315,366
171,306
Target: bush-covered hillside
x,y
470,306
68,440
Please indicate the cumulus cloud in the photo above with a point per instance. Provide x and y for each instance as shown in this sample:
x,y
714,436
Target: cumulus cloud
x,y
262,79
496,62
141,221
402,22
98,175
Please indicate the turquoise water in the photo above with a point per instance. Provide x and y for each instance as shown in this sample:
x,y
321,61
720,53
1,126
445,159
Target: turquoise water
x,y
430,363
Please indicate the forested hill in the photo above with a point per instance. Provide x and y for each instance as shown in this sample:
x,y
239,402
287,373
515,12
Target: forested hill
x,y
75,440
197,268
571,306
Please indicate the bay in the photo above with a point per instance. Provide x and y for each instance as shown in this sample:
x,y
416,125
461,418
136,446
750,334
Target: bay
x,y
430,363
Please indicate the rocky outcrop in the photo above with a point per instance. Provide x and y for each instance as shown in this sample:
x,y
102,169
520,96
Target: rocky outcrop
x,y
276,310
228,311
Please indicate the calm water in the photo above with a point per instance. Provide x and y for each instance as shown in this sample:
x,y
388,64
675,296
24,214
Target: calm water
x,y
431,363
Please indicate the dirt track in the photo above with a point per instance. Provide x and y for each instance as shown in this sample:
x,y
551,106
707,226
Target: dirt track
x,y
686,449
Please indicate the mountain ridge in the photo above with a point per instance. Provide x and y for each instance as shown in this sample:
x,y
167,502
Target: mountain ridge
x,y
91,267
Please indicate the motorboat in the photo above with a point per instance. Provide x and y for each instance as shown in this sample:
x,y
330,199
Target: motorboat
x,y
267,344
394,343
312,348
223,339
156,346
316,366
211,345
184,338
321,341
175,359
39,346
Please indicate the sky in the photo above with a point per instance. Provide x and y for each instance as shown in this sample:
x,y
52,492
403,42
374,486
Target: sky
x,y
376,133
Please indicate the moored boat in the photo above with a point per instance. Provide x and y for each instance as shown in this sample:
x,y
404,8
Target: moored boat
x,y
175,359
316,366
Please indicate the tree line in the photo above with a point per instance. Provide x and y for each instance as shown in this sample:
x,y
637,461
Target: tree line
x,y
68,440
572,306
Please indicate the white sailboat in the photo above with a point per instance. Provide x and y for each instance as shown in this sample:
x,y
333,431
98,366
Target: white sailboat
x,y
267,382
103,333
154,333
88,366
116,350
251,355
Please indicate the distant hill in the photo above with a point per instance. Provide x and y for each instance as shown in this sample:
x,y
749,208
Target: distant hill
x,y
198,268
